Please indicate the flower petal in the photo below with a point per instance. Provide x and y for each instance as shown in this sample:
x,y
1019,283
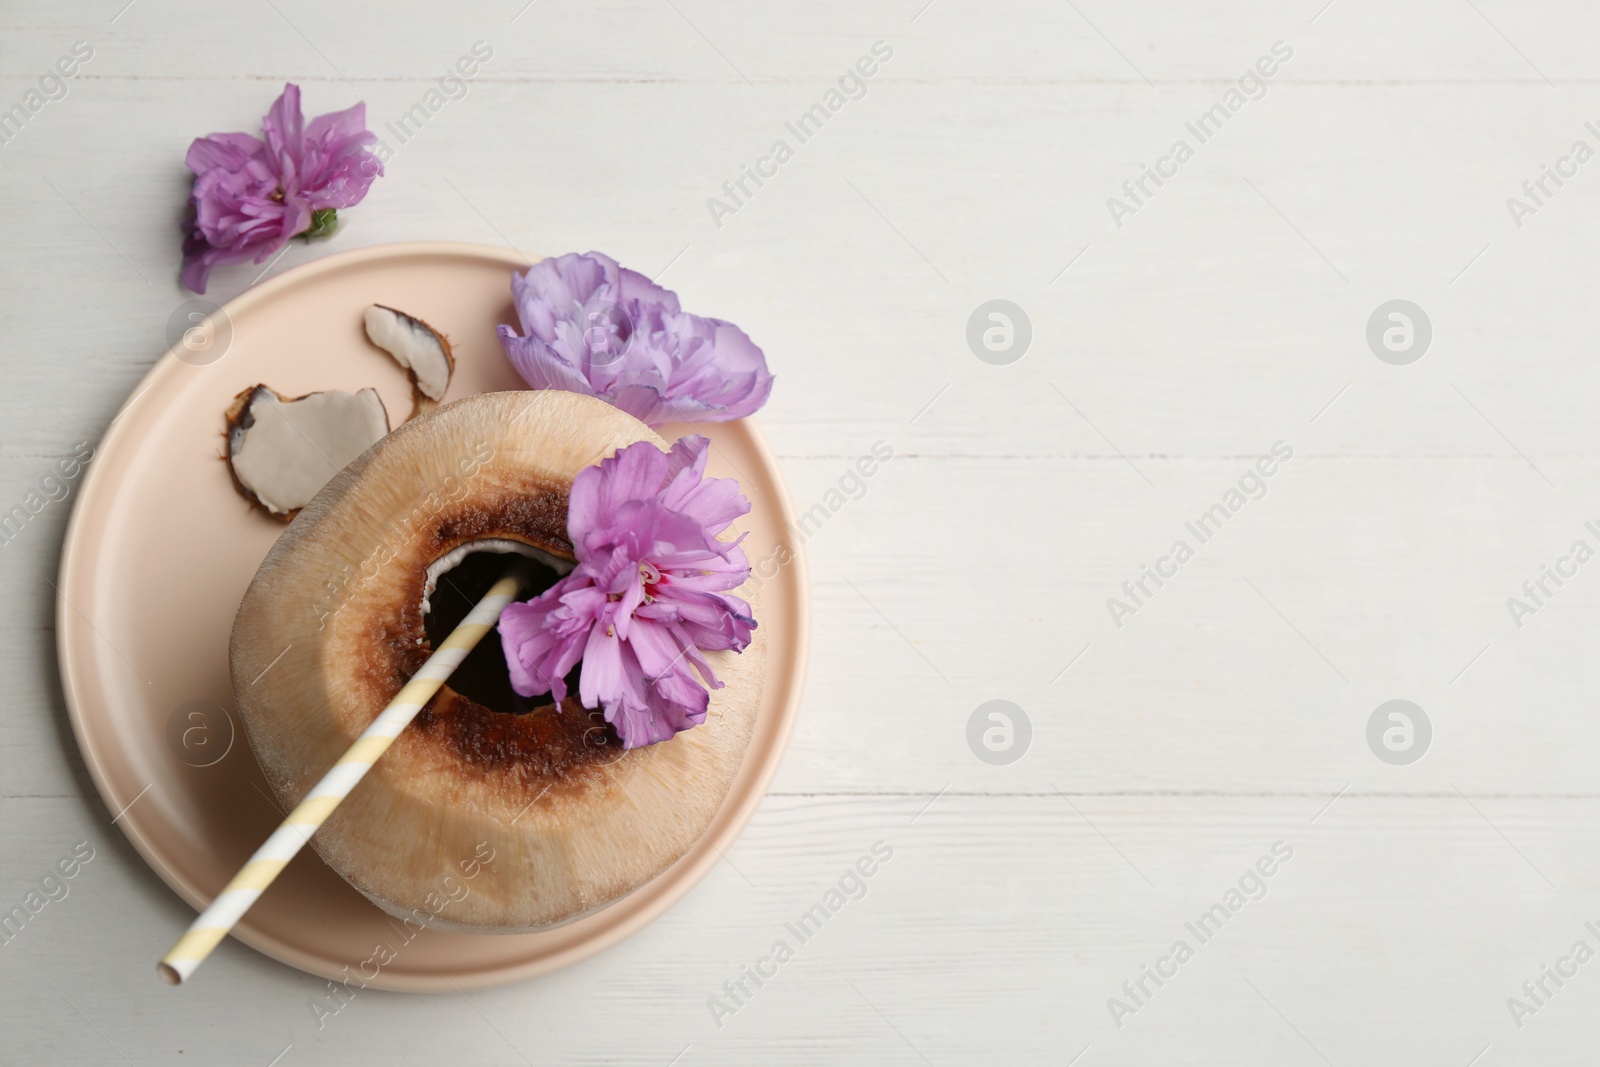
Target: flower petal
x,y
649,594
625,340
284,131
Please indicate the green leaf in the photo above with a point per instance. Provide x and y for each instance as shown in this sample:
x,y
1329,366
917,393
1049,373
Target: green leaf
x,y
323,223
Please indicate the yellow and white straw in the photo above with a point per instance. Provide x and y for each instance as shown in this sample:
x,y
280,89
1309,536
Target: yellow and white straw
x,y
291,836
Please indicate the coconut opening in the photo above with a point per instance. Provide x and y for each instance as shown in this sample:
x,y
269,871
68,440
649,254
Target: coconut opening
x,y
455,583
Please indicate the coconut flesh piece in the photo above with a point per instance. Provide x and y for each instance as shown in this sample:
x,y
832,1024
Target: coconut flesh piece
x,y
423,351
562,819
283,451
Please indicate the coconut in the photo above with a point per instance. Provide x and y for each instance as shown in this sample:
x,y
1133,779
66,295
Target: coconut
x,y
424,352
281,450
333,625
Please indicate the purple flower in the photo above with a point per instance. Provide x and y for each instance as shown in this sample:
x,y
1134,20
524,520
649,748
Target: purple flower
x,y
649,594
250,196
591,326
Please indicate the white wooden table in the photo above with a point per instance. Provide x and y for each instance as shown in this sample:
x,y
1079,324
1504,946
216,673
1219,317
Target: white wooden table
x,y
1167,755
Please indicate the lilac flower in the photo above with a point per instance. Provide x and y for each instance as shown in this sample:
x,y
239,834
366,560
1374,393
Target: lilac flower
x,y
251,195
591,326
649,594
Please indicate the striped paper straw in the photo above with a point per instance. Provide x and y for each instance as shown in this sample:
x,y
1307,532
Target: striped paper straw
x,y
291,836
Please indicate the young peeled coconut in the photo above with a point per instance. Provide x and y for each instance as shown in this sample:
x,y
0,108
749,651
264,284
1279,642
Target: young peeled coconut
x,y
333,625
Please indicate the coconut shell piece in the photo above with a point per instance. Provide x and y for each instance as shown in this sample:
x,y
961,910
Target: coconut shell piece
x,y
332,627
424,352
281,450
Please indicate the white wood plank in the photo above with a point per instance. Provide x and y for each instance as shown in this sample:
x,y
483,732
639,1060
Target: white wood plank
x,y
1153,333
1392,578
999,927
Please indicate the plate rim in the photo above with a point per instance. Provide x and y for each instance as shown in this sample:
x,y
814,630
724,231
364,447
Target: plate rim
x,y
671,886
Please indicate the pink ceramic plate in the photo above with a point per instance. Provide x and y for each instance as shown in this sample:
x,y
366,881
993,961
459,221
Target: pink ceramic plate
x,y
161,548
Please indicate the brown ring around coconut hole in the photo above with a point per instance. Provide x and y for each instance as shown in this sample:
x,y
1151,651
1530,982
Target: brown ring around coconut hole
x,y
541,750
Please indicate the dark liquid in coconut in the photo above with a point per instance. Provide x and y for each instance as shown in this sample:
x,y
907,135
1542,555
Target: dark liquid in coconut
x,y
483,676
